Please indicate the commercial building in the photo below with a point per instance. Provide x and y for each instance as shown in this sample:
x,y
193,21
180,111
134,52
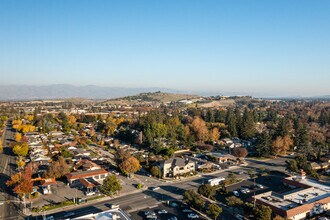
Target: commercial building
x,y
113,214
306,199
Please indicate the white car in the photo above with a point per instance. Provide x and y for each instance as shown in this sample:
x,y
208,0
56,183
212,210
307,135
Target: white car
x,y
193,215
162,211
235,193
245,190
240,217
260,186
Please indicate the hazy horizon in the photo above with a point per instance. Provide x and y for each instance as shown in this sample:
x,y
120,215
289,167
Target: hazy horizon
x,y
270,48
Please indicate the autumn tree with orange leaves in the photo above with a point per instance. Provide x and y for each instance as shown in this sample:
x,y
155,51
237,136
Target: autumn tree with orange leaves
x,y
200,129
130,166
22,182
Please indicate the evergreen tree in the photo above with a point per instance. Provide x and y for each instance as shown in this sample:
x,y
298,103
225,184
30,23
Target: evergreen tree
x,y
239,122
263,146
248,126
220,116
231,123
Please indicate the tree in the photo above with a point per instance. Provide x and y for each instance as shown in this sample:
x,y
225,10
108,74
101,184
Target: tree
x,y
263,146
281,145
239,152
248,126
200,129
116,143
130,166
234,201
277,146
206,190
18,137
121,155
111,185
58,168
21,149
215,134
292,165
277,217
22,182
231,123
214,210
231,178
193,199
262,212
155,171
20,163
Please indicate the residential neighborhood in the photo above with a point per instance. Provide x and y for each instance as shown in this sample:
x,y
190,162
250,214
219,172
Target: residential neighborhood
x,y
65,161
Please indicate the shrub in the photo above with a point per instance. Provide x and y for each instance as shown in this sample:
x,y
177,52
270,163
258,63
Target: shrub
x,y
139,186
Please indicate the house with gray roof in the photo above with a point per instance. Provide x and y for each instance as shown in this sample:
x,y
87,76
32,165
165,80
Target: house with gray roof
x,y
177,166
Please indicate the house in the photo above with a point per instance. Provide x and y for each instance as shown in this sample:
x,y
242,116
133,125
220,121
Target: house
x,y
177,166
222,158
315,166
93,176
81,152
86,165
44,185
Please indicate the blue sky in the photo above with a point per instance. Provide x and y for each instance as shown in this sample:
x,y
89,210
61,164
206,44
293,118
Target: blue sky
x,y
251,47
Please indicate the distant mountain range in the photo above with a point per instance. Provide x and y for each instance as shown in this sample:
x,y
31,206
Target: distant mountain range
x,y
59,91
64,91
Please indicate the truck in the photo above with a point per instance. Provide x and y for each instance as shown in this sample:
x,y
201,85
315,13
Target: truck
x,y
216,181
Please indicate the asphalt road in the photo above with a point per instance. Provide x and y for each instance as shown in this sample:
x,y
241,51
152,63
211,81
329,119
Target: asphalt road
x,y
9,210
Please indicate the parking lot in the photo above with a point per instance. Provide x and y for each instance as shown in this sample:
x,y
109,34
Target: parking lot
x,y
165,212
271,182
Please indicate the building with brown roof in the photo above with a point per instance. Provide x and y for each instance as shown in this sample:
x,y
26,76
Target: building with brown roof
x,y
97,175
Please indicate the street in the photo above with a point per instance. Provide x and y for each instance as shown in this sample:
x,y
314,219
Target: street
x,y
9,210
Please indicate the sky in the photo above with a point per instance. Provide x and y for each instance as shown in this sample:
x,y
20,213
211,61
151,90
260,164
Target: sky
x,y
277,47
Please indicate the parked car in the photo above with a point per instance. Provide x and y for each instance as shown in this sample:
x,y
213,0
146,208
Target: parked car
x,y
235,193
187,210
243,191
238,216
154,188
147,213
173,204
193,215
68,214
260,186
162,211
173,218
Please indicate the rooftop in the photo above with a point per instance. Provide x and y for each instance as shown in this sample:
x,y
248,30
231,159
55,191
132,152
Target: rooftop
x,y
306,193
106,215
